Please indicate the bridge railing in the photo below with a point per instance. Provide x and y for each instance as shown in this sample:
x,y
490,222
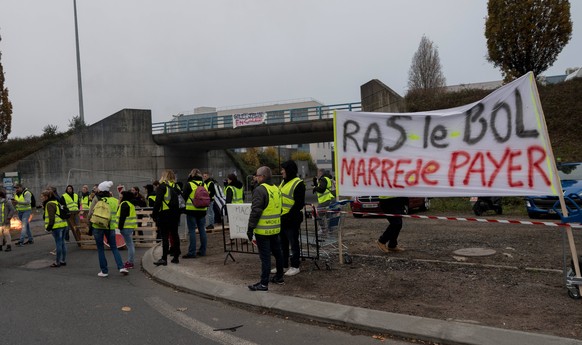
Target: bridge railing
x,y
208,121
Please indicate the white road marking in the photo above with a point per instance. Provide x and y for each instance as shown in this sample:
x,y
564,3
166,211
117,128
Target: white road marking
x,y
194,325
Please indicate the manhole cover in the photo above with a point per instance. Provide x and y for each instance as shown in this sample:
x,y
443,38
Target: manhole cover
x,y
474,252
37,264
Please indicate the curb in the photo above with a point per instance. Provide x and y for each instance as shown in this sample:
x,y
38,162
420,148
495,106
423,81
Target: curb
x,y
399,325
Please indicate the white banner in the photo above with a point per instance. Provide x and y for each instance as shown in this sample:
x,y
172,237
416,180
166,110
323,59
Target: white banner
x,y
238,219
497,146
248,119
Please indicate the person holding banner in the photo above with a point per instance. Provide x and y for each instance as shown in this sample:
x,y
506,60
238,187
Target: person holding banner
x,y
265,225
388,241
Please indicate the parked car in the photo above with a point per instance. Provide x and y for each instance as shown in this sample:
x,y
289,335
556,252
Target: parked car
x,y
571,178
371,204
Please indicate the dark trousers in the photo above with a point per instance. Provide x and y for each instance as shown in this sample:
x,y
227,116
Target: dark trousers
x,y
290,238
391,233
168,228
268,245
393,206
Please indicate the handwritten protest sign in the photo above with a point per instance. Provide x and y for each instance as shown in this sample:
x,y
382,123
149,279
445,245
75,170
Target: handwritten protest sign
x,y
248,119
497,146
238,219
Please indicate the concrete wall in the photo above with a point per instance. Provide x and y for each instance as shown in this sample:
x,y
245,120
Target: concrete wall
x,y
377,97
119,148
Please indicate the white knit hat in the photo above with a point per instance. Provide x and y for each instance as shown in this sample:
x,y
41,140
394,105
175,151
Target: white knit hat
x,y
104,186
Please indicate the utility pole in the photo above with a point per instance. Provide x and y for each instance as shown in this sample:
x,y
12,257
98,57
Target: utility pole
x,y
80,83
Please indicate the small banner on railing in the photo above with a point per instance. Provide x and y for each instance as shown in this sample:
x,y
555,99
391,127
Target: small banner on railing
x,y
238,220
248,119
493,147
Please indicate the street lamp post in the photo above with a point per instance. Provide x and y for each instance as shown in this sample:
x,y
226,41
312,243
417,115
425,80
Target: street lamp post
x,y
80,84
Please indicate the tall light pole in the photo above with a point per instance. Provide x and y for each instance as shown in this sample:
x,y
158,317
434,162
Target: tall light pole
x,y
79,82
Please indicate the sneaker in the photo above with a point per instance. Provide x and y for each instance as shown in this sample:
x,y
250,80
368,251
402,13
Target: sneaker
x,y
396,249
124,271
53,252
278,281
8,248
274,270
382,246
188,256
292,271
175,260
102,275
258,287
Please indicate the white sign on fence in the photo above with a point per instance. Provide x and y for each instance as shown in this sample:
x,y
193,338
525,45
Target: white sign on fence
x,y
238,219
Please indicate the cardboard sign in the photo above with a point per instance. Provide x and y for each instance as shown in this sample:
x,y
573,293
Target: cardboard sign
x,y
238,219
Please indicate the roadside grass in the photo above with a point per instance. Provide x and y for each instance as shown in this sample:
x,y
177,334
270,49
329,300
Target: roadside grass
x,y
512,206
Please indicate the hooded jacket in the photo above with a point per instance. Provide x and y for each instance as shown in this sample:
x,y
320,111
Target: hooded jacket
x,y
295,213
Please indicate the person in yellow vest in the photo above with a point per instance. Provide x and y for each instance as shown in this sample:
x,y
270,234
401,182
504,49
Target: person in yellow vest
x,y
388,241
166,214
7,211
54,224
322,186
22,204
71,199
234,190
84,197
101,231
265,225
293,199
195,216
127,223
151,195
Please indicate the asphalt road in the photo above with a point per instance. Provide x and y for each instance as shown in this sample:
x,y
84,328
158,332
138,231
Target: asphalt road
x,y
71,305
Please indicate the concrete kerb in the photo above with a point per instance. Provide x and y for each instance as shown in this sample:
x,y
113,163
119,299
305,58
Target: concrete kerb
x,y
400,325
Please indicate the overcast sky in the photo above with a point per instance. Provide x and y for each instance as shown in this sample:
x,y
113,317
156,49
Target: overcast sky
x,y
172,56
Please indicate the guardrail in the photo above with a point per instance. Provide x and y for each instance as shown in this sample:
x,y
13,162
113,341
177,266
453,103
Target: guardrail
x,y
201,122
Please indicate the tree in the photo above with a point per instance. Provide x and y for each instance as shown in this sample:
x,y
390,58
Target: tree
x,y
525,36
50,131
5,106
76,123
425,71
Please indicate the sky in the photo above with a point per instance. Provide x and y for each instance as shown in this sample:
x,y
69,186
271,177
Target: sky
x,y
173,56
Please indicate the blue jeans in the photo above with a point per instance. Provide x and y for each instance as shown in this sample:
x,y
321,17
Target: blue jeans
x,y
58,235
24,215
269,245
99,234
128,237
192,223
210,214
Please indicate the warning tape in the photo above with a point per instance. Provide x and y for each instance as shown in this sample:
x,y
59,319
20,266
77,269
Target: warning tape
x,y
466,219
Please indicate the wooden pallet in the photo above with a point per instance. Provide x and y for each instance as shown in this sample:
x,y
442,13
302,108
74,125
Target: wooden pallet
x,y
143,236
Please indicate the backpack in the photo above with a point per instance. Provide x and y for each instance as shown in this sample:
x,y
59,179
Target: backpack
x,y
101,213
64,212
177,201
32,199
201,196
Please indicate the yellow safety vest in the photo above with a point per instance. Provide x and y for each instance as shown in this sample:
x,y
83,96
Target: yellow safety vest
x,y
112,202
131,220
21,205
325,196
2,214
189,203
72,203
85,202
270,220
237,194
287,192
152,198
59,222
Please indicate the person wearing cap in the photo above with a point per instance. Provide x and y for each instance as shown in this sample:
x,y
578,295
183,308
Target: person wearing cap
x,y
99,231
293,200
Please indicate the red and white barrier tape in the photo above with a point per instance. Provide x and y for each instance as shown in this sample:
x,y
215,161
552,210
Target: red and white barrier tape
x,y
465,219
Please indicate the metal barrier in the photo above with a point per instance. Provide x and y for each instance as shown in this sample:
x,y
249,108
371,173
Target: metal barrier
x,y
309,243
